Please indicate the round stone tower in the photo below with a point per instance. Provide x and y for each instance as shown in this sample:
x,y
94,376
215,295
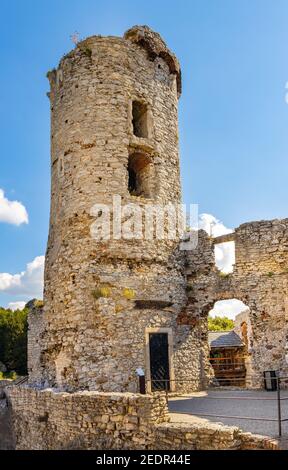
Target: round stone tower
x,y
112,303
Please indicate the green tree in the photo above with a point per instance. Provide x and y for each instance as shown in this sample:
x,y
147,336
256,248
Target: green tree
x,y
13,339
220,324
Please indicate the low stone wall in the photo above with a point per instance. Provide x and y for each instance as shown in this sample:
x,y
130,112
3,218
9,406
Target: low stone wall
x,y
197,436
253,441
43,419
205,435
86,420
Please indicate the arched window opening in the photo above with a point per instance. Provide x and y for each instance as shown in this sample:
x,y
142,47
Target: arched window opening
x,y
139,119
139,175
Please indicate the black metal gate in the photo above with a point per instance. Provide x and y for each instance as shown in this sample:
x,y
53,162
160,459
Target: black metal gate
x,y
159,361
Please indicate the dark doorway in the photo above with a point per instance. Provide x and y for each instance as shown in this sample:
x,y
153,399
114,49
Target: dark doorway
x,y
139,175
132,181
159,361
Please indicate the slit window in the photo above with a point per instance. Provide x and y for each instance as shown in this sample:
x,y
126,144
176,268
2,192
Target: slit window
x,y
139,119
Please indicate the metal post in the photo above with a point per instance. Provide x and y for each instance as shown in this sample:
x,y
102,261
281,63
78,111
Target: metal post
x,y
166,390
279,407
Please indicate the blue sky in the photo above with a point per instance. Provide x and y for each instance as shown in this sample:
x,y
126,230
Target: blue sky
x,y
233,114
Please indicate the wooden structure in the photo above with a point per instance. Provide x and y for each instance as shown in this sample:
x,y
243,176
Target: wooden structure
x,y
227,358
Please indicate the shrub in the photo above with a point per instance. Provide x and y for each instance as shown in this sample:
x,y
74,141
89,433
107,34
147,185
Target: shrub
x,y
8,375
12,375
129,294
101,292
222,274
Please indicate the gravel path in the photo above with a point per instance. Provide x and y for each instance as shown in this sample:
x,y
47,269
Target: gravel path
x,y
230,407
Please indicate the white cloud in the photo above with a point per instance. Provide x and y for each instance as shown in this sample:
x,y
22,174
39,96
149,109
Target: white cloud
x,y
228,308
213,226
16,305
12,212
225,256
27,284
224,252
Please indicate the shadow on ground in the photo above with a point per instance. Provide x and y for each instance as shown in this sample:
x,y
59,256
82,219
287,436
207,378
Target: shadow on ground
x,y
252,411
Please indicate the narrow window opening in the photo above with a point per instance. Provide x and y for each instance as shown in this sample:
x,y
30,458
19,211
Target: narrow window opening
x,y
139,175
132,184
139,119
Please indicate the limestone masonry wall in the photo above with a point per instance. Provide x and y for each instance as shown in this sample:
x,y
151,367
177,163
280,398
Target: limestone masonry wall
x,y
114,133
87,339
34,346
259,279
92,340
86,420
96,420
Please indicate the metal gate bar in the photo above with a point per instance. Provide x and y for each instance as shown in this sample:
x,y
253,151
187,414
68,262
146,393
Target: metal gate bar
x,y
251,418
278,399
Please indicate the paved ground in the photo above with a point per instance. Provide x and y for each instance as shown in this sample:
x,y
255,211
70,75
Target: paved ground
x,y
230,407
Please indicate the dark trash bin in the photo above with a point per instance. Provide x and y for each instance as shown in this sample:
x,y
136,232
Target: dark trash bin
x,y
270,380
142,384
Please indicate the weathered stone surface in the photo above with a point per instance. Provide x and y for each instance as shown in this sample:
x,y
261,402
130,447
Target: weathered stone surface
x,y
101,297
259,279
97,420
82,340
84,419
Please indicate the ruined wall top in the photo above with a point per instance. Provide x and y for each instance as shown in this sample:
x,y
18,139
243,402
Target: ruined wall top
x,y
144,37
262,247
156,47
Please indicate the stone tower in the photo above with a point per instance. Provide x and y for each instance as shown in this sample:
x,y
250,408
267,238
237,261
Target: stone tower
x,y
110,305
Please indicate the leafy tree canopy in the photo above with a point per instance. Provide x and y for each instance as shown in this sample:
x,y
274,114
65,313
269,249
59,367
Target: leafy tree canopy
x,y
220,324
13,339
